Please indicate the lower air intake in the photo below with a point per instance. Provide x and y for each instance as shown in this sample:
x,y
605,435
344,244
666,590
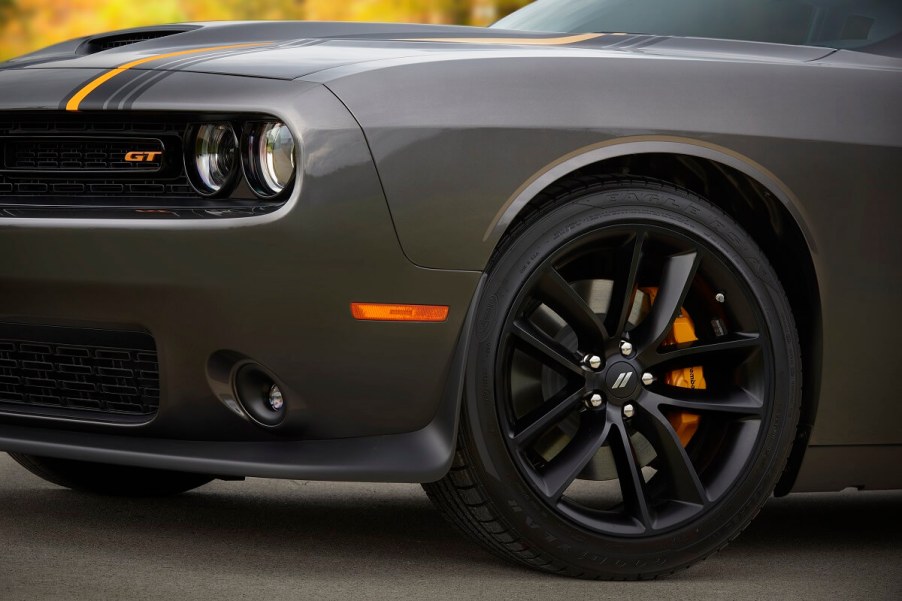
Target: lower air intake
x,y
78,373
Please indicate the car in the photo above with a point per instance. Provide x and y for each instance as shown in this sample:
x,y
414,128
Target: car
x,y
603,276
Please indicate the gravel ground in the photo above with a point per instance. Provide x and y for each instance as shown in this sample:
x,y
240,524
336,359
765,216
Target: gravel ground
x,y
276,540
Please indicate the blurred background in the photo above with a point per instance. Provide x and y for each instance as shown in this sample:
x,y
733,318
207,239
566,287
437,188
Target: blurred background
x,y
27,25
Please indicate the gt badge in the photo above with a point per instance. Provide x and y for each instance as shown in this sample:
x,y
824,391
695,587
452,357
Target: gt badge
x,y
142,157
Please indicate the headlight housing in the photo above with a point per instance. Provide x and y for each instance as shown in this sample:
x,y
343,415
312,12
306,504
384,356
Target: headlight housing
x,y
270,158
212,160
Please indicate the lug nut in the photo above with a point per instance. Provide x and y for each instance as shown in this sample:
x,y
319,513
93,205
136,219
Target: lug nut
x,y
648,379
593,361
719,297
628,411
626,348
594,400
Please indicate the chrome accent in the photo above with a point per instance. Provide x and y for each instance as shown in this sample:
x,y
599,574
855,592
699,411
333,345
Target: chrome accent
x,y
594,400
592,361
622,380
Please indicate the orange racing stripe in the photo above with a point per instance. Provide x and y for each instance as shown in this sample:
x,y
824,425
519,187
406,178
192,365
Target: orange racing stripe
x,y
92,85
558,41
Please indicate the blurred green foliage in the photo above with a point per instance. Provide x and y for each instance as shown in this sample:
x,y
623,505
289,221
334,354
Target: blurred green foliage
x,y
27,25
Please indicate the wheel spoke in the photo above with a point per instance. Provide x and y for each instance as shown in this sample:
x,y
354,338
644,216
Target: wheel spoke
x,y
627,260
737,402
677,468
543,349
560,343
632,483
739,344
548,414
558,294
561,471
679,271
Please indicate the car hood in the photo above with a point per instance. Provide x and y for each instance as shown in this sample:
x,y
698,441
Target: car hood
x,y
289,50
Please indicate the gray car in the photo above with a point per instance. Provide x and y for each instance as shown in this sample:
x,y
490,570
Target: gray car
x,y
603,277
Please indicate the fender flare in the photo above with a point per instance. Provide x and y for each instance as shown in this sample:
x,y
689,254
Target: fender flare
x,y
675,145
633,145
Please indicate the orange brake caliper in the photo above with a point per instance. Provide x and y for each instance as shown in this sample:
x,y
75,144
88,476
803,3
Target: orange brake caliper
x,y
685,424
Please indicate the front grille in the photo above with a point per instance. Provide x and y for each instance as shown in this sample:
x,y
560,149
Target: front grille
x,y
76,154
59,164
76,372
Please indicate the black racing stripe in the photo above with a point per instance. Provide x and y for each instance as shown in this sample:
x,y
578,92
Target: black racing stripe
x,y
107,96
139,91
135,92
226,54
302,43
132,83
148,78
77,88
123,91
96,100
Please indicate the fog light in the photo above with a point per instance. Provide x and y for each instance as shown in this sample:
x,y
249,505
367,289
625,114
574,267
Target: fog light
x,y
259,395
275,398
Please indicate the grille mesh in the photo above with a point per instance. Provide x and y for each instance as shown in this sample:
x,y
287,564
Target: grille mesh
x,y
178,188
80,154
85,371
38,152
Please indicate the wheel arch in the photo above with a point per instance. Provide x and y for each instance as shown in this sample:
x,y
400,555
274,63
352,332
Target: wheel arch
x,y
745,190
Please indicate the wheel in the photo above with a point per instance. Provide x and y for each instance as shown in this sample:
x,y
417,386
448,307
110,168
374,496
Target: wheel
x,y
633,386
106,479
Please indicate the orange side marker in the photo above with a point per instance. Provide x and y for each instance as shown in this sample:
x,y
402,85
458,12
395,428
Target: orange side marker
x,y
393,312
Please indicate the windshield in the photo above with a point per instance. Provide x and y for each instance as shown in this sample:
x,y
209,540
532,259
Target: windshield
x,y
870,25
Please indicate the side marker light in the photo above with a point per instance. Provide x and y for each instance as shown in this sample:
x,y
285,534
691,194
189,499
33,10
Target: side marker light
x,y
394,312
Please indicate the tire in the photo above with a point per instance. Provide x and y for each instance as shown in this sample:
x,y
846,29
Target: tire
x,y
567,464
112,480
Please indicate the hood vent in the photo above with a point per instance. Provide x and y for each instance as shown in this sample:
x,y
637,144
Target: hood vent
x,y
109,42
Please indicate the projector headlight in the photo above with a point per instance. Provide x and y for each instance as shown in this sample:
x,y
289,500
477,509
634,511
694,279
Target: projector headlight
x,y
270,158
212,158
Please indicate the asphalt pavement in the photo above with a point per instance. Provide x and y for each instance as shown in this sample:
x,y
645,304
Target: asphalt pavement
x,y
277,540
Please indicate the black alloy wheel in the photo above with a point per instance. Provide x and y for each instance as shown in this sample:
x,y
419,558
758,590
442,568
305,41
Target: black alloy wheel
x,y
634,386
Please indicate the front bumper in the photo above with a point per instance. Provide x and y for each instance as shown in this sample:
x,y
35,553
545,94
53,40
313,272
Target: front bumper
x,y
275,289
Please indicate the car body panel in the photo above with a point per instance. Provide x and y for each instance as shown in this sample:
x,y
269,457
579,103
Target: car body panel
x,y
777,120
200,287
419,151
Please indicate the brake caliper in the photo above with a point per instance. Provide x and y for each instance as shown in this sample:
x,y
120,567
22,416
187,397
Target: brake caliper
x,y
685,424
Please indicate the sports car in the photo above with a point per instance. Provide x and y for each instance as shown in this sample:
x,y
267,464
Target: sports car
x,y
604,276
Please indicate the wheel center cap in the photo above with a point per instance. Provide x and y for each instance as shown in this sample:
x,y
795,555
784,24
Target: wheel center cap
x,y
622,380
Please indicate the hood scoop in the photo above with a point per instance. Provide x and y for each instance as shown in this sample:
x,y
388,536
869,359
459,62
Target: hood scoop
x,y
102,43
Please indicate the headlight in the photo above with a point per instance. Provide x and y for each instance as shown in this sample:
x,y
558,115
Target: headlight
x,y
214,157
270,158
